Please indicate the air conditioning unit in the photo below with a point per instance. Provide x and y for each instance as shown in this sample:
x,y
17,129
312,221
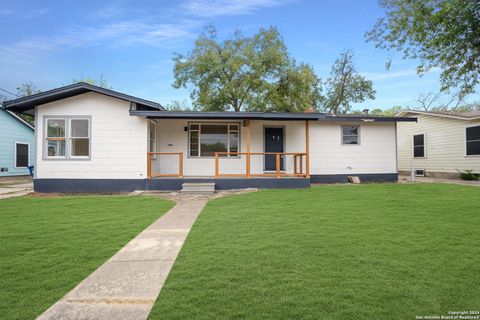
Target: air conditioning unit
x,y
419,172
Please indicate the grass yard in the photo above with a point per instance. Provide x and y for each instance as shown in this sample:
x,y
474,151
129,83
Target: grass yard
x,y
48,245
379,251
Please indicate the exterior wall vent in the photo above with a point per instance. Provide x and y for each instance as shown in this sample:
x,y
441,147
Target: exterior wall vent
x,y
419,172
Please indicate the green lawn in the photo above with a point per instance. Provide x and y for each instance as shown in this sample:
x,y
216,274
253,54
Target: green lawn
x,y
379,251
48,245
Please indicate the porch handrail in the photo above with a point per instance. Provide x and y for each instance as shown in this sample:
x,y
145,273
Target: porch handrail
x,y
149,164
296,156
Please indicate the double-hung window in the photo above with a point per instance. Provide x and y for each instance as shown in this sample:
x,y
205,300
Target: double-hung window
x,y
472,135
68,138
56,138
351,135
207,138
419,146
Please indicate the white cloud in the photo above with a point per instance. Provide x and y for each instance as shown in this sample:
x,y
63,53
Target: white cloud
x,y
24,14
117,34
211,8
389,75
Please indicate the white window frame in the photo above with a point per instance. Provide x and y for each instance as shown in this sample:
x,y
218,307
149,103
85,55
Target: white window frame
x,y
45,138
154,124
199,130
358,134
465,139
424,145
70,138
15,155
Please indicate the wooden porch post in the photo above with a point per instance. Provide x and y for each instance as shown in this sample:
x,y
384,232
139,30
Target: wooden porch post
x,y
277,165
180,164
216,165
248,149
307,150
149,166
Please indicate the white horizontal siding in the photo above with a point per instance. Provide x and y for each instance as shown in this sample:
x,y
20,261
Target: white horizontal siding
x,y
119,141
445,145
375,154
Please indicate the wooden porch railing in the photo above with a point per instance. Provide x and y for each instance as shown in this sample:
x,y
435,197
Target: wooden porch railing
x,y
150,156
297,164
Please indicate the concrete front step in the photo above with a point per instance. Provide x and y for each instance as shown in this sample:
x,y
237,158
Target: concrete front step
x,y
200,187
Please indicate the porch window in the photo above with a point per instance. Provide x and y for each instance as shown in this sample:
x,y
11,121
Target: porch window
x,y
152,137
207,138
350,135
473,140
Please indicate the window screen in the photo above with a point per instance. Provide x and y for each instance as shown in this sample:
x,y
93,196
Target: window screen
x,y
21,160
473,140
419,146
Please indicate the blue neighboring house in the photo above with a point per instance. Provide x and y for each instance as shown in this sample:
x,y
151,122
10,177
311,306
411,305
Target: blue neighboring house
x,y
17,144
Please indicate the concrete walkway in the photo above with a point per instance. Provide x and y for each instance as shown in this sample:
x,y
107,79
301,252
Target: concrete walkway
x,y
408,179
15,190
127,285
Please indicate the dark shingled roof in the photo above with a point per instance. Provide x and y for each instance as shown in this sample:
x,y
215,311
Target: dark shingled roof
x,y
468,115
285,116
26,104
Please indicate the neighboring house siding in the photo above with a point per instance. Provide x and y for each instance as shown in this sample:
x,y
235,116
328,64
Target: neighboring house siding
x,y
118,141
13,130
445,145
375,154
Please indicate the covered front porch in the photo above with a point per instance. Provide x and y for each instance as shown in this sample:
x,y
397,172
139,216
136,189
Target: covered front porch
x,y
228,149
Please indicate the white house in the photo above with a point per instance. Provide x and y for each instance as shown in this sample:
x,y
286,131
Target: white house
x,y
440,143
93,139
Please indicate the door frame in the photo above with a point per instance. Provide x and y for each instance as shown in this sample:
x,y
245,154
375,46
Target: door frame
x,y
282,160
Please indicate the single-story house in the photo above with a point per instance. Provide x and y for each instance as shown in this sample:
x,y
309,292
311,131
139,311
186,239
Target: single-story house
x,y
439,143
17,141
91,139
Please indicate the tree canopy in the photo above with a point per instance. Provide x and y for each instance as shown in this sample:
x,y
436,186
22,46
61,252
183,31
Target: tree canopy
x,y
100,82
345,86
246,73
442,34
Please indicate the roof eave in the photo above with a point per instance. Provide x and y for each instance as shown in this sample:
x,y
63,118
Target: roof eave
x,y
24,104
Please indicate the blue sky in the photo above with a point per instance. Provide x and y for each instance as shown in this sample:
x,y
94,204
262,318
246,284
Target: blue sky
x,y
131,43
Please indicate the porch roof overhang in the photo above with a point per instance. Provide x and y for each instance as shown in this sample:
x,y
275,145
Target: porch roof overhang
x,y
279,116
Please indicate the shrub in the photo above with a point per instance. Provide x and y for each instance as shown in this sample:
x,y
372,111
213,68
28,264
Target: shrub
x,y
469,175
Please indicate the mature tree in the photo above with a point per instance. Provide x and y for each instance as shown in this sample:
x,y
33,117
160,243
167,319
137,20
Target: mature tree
x,y
296,90
345,86
100,82
245,73
442,34
178,105
27,89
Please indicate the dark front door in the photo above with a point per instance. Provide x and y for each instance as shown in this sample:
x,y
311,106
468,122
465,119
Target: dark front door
x,y
273,143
